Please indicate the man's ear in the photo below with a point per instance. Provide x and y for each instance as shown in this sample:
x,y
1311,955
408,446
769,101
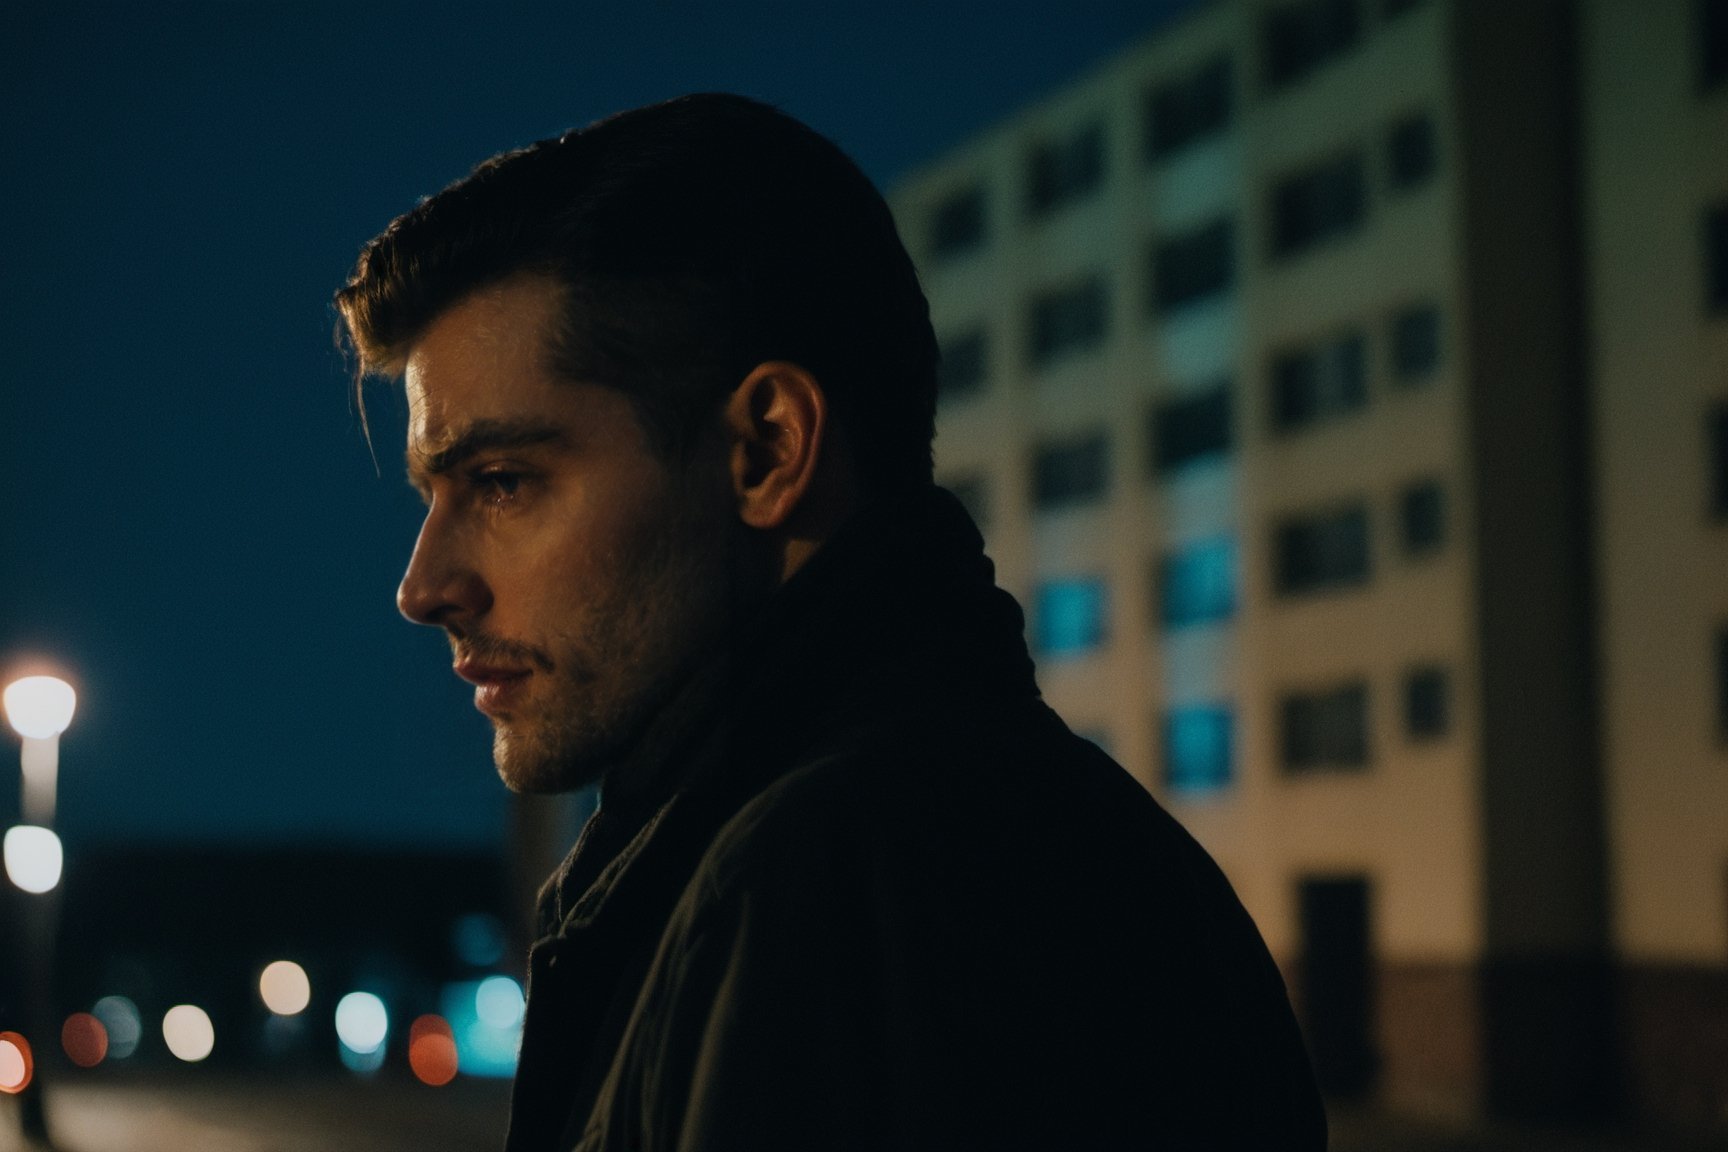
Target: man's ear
x,y
777,429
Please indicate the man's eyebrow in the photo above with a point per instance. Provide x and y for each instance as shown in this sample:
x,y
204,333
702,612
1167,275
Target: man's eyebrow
x,y
481,436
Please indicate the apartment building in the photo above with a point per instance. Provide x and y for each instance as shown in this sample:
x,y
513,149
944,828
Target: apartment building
x,y
1341,386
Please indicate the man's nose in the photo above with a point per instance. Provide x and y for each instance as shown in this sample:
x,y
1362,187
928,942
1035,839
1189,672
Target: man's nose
x,y
440,586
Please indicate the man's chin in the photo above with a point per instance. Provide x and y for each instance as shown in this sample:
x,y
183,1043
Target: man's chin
x,y
541,771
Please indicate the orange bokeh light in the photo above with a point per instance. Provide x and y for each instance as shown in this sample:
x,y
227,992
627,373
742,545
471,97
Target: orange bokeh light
x,y
432,1050
85,1039
17,1066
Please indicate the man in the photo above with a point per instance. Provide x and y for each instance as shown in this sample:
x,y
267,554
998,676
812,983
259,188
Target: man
x,y
851,885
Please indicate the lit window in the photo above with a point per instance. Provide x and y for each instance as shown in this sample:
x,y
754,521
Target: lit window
x,y
1326,729
1298,38
1317,205
1422,518
1326,550
1410,152
1415,343
1069,616
965,365
1189,109
1192,428
1068,319
1427,703
1197,585
1319,382
1199,752
1064,169
1070,472
957,224
1194,266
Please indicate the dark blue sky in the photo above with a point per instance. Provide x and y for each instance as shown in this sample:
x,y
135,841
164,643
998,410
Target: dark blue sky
x,y
191,522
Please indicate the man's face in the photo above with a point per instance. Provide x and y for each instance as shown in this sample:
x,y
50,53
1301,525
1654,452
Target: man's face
x,y
576,573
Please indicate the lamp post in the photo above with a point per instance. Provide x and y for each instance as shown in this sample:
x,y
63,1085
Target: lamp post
x,y
39,708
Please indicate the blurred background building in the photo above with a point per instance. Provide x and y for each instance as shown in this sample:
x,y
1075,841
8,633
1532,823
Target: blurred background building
x,y
1342,385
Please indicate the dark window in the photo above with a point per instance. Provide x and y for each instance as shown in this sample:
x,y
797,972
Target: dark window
x,y
1061,170
1192,428
1410,152
1422,517
1427,703
1722,682
1194,266
1300,37
1326,729
1329,550
965,365
1712,43
1197,585
1199,752
957,225
1318,204
1070,473
1318,382
1716,258
1719,461
1070,616
1415,343
1189,109
974,495
1067,319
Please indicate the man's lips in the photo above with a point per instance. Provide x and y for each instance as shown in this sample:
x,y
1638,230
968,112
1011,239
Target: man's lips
x,y
495,685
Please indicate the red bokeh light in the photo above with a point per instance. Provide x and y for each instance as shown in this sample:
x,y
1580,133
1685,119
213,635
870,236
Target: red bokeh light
x,y
432,1050
17,1066
85,1039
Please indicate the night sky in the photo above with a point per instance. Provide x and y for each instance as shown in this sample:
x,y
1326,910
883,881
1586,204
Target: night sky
x,y
193,528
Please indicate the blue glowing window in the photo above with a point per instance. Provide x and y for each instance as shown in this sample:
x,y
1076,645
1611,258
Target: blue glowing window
x,y
1198,584
1199,749
1069,616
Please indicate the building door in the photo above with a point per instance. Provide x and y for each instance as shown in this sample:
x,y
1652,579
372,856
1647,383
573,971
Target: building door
x,y
1337,977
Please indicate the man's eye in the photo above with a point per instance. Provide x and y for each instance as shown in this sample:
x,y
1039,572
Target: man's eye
x,y
498,484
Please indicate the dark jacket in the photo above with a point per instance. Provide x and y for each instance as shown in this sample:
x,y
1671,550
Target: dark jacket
x,y
860,888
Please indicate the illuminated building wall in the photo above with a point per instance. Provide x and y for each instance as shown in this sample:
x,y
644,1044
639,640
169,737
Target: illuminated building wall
x,y
1266,376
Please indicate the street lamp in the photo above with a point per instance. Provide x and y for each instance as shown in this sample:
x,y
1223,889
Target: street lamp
x,y
39,708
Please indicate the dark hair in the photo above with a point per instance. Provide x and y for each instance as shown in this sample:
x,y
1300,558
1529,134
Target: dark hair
x,y
695,239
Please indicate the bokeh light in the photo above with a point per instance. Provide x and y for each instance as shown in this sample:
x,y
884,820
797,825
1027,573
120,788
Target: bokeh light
x,y
188,1032
432,1050
479,939
16,1064
33,858
498,1002
285,989
362,1022
84,1039
39,707
484,1047
125,1027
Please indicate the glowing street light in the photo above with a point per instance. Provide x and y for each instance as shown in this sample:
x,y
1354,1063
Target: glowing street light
x,y
33,857
284,988
39,708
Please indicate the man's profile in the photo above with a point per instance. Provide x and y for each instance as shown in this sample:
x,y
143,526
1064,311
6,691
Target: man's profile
x,y
671,384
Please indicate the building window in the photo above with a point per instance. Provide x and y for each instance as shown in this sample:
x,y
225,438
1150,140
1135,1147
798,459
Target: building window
x,y
957,224
1415,343
1712,43
965,365
1719,461
1299,38
1197,584
1194,266
974,496
1199,749
1065,169
1722,681
1716,258
1427,703
1319,382
1410,152
1328,550
1192,428
1422,518
1073,472
1069,616
1190,109
1326,729
1068,319
1317,205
